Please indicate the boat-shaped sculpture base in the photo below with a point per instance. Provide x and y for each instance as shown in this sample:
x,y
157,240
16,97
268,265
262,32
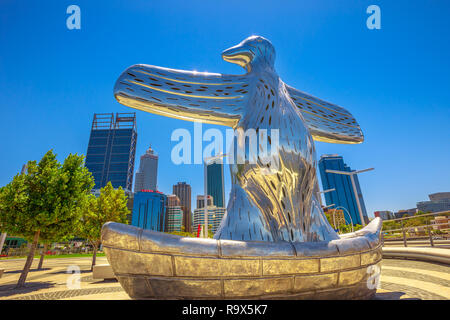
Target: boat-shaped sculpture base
x,y
156,265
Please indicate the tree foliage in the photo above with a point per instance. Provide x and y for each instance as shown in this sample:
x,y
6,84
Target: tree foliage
x,y
46,200
111,205
342,228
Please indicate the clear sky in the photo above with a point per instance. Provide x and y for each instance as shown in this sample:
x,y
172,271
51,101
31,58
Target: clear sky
x,y
395,81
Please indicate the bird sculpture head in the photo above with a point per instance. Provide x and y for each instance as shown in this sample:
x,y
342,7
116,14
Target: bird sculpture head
x,y
253,53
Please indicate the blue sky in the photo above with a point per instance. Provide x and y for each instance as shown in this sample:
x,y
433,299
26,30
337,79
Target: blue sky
x,y
395,81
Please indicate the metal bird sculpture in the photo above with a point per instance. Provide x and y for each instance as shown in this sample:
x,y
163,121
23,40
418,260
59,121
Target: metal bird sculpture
x,y
265,205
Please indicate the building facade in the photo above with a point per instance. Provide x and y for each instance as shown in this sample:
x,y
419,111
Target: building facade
x,y
183,191
405,212
111,150
215,182
438,202
337,217
174,219
441,223
343,195
149,210
147,175
215,216
384,215
201,201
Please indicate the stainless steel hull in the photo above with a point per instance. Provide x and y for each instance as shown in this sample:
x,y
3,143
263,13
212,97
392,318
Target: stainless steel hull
x,y
156,265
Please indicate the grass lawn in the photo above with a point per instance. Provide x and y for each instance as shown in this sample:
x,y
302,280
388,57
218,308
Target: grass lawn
x,y
74,255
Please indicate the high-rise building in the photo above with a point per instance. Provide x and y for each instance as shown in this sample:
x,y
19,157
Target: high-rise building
x,y
438,202
215,214
174,219
343,195
146,177
111,150
215,183
201,201
183,191
149,210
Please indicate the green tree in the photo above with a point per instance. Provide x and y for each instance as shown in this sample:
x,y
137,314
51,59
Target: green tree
x,y
56,234
47,197
111,205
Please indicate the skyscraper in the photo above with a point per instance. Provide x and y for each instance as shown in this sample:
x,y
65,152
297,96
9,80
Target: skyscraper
x,y
215,182
111,149
201,201
174,219
215,214
146,177
183,191
343,196
149,210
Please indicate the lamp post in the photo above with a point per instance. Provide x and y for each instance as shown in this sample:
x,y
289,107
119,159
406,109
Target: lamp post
x,y
206,160
351,174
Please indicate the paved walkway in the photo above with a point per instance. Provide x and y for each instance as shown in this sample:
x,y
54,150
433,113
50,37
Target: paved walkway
x,y
400,279
53,282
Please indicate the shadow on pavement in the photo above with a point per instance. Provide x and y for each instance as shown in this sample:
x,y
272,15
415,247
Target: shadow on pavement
x,y
396,295
31,270
10,290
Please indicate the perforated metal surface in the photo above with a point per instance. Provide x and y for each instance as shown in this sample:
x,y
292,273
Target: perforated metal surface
x,y
268,203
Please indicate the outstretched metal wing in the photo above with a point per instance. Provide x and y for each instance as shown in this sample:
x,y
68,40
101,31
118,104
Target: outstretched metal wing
x,y
326,122
187,95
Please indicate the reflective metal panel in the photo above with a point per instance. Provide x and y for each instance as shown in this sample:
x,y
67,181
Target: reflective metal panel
x,y
219,269
267,203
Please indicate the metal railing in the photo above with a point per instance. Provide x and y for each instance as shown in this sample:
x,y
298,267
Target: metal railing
x,y
22,251
422,231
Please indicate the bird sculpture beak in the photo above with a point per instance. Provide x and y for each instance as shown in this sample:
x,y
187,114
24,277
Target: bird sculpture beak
x,y
240,55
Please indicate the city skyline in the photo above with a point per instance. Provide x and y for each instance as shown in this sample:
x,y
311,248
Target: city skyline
x,y
394,81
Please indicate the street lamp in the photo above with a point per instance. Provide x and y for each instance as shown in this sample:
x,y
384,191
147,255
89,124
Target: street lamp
x,y
351,174
206,160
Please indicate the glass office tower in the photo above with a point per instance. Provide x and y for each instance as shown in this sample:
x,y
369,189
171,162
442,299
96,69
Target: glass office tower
x,y
149,210
174,218
343,196
111,149
215,183
183,191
